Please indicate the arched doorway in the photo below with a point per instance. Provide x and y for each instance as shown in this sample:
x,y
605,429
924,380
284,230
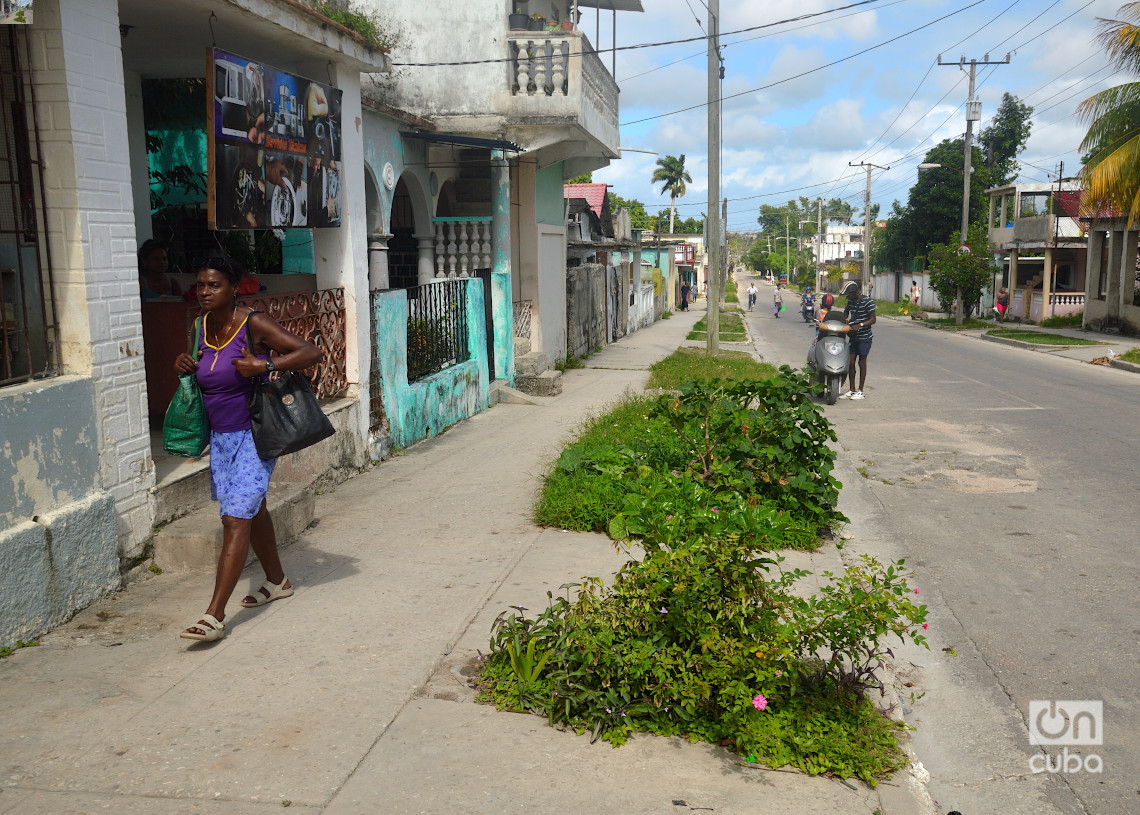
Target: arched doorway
x,y
403,251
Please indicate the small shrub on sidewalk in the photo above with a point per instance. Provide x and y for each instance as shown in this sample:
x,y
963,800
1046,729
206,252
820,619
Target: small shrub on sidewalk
x,y
734,450
706,638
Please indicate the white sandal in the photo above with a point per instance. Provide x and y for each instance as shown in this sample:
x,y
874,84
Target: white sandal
x,y
268,593
215,629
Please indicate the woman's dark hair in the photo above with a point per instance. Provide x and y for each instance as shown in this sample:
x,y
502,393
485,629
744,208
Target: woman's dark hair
x,y
148,248
220,263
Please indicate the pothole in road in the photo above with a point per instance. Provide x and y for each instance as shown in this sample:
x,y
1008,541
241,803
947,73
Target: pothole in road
x,y
958,458
951,470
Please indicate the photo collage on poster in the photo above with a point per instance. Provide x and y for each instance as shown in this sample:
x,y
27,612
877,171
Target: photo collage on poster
x,y
276,146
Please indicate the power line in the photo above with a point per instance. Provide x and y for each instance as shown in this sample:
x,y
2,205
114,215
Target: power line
x,y
760,37
637,46
812,70
1050,28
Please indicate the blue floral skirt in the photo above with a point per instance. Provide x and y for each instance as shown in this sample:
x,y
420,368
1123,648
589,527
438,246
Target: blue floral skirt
x,y
239,477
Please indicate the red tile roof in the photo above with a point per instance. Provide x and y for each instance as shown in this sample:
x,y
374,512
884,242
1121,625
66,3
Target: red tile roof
x,y
594,194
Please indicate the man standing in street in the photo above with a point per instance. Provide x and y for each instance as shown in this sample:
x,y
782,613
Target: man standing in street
x,y
860,314
752,290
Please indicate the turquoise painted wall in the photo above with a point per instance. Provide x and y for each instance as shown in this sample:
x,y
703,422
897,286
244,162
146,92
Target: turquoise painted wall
x,y
425,408
550,202
297,252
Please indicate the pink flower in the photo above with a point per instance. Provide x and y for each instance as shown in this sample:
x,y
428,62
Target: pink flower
x,y
759,702
916,591
925,626
668,517
715,509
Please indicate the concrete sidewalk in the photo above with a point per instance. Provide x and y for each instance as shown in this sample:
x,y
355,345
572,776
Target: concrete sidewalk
x,y
353,696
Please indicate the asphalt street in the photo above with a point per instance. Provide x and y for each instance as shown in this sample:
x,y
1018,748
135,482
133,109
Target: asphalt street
x,y
1007,477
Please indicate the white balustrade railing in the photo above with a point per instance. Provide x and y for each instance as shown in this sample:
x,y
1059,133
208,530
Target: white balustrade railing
x,y
1067,299
539,63
462,246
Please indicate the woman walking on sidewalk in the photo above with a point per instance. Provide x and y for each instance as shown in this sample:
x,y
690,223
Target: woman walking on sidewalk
x,y
224,363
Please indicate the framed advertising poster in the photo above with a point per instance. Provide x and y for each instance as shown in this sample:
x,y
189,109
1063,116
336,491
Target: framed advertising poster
x,y
274,147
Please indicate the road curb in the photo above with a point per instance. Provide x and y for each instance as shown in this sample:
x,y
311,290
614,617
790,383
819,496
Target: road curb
x,y
1126,366
1030,346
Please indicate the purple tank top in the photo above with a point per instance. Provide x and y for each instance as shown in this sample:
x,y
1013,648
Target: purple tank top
x,y
224,391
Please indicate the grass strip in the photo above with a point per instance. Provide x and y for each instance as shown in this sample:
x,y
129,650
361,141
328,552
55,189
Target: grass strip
x,y
695,365
1039,338
731,328
1131,356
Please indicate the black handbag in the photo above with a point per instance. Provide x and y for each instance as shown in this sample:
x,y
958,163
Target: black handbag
x,y
284,414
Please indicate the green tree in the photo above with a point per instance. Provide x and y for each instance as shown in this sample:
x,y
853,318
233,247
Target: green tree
x,y
838,210
1111,175
896,244
673,177
935,200
1005,139
585,178
950,268
638,217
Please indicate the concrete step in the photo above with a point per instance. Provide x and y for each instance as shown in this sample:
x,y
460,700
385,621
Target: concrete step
x,y
522,346
194,541
547,383
531,364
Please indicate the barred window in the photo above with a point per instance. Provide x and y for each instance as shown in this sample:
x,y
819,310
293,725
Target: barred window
x,y
29,348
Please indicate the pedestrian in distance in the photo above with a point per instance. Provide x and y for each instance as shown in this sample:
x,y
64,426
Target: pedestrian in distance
x,y
685,288
752,291
914,294
1001,304
860,314
232,345
777,301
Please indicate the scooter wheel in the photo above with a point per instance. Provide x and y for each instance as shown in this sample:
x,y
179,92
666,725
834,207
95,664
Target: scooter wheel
x,y
832,393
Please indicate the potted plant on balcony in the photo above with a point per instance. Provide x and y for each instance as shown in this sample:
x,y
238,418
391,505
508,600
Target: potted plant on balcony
x,y
518,19
537,22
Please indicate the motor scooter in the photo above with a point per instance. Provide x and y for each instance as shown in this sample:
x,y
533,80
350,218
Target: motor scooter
x,y
830,357
807,310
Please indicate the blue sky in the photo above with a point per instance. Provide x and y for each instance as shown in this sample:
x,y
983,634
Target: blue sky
x,y
887,106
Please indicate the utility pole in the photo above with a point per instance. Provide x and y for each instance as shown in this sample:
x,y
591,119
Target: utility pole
x,y
787,249
866,277
725,260
713,224
818,243
973,114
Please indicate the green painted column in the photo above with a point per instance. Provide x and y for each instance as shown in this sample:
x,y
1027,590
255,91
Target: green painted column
x,y
501,295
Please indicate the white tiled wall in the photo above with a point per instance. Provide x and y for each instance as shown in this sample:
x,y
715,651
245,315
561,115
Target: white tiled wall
x,y
82,111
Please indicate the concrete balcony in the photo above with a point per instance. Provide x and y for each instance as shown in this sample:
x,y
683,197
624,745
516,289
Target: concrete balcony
x,y
556,79
1034,230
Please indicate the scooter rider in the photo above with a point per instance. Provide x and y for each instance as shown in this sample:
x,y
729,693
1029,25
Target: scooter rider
x,y
807,303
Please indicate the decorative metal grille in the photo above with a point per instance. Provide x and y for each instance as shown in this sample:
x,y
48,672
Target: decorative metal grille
x,y
437,327
522,318
319,317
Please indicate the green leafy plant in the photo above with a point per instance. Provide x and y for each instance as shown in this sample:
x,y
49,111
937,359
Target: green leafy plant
x,y
368,24
709,639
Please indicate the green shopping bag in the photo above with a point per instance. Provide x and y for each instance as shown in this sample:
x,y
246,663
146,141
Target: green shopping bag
x,y
186,429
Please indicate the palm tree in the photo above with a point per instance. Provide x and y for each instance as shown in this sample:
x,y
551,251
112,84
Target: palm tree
x,y
673,177
1111,175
